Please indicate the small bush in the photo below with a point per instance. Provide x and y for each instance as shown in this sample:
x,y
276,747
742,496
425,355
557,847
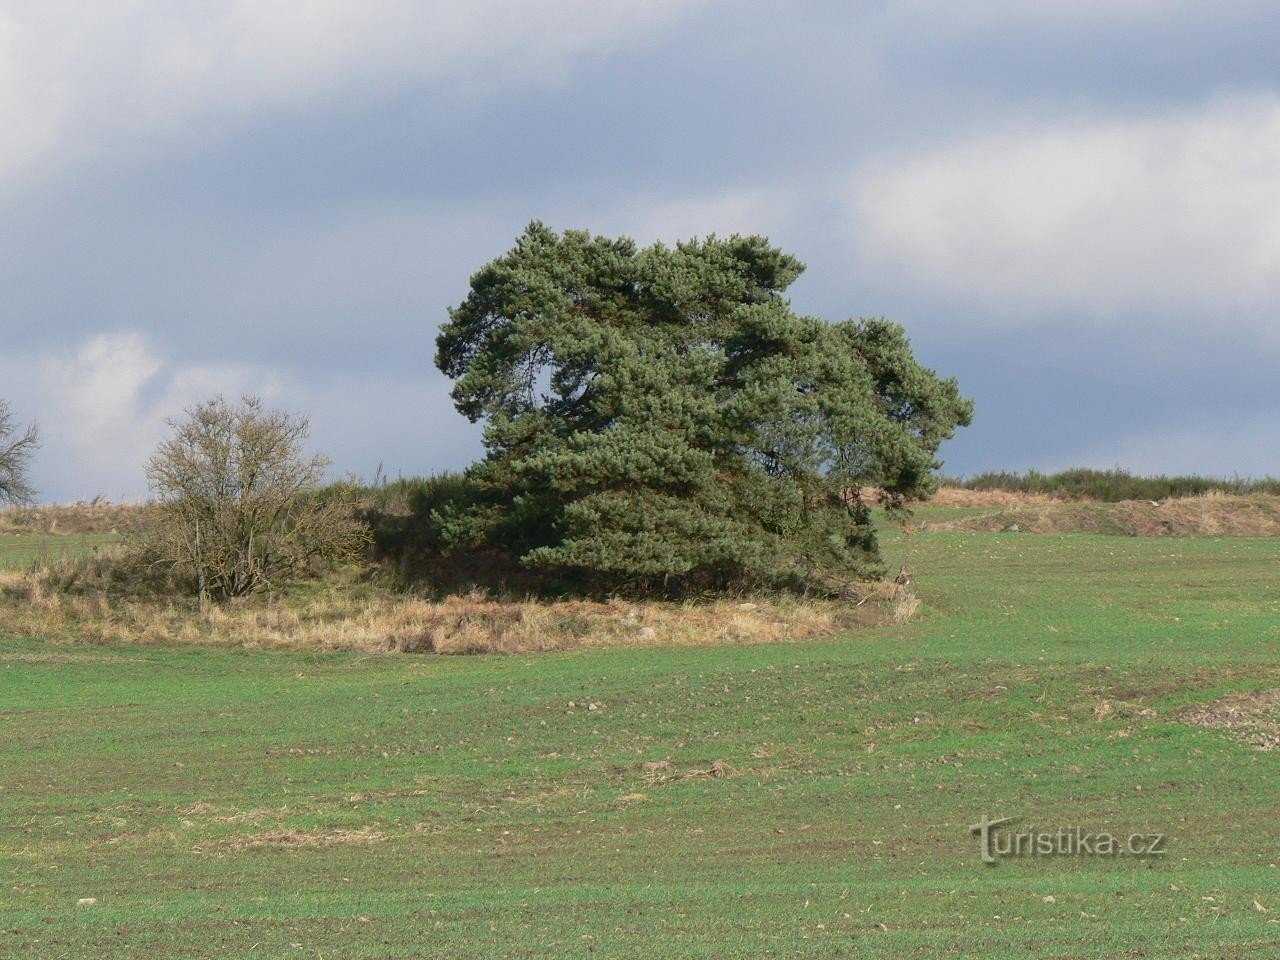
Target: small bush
x,y
404,515
238,506
408,518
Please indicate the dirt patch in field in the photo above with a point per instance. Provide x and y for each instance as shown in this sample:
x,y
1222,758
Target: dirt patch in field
x,y
1207,516
1252,718
299,838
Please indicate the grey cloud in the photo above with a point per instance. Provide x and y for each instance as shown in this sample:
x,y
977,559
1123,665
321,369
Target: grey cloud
x,y
315,239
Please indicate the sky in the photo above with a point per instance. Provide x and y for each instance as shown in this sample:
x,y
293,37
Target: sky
x,y
1072,206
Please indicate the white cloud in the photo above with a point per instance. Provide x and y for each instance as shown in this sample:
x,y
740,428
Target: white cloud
x,y
102,409
1175,218
78,80
97,391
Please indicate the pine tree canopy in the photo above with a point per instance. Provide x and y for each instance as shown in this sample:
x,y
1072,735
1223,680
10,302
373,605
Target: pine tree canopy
x,y
660,418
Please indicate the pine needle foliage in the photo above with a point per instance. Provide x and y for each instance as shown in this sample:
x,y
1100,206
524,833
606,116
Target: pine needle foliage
x,y
660,419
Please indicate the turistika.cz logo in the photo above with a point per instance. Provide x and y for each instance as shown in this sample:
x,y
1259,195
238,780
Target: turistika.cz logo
x,y
996,842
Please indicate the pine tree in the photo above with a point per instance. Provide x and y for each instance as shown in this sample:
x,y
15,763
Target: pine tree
x,y
660,418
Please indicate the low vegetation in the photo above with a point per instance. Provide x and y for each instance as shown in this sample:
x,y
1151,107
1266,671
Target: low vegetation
x,y
82,600
412,597
1110,485
238,506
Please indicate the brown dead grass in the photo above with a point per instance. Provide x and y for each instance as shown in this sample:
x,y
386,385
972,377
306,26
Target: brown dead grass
x,y
1121,710
345,614
1252,718
663,771
1211,515
98,516
960,497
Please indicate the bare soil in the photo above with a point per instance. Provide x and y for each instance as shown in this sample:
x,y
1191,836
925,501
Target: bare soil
x,y
1252,718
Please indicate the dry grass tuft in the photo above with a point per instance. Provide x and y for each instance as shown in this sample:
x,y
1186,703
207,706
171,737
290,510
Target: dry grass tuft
x,y
719,770
1122,710
662,771
905,606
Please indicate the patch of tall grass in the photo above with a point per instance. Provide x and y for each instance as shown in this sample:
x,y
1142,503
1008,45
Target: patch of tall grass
x,y
1083,483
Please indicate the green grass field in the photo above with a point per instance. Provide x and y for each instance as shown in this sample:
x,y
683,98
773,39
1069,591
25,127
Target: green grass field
x,y
222,803
19,552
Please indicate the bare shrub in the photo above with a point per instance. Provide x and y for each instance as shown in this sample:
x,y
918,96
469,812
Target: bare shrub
x,y
17,446
239,505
